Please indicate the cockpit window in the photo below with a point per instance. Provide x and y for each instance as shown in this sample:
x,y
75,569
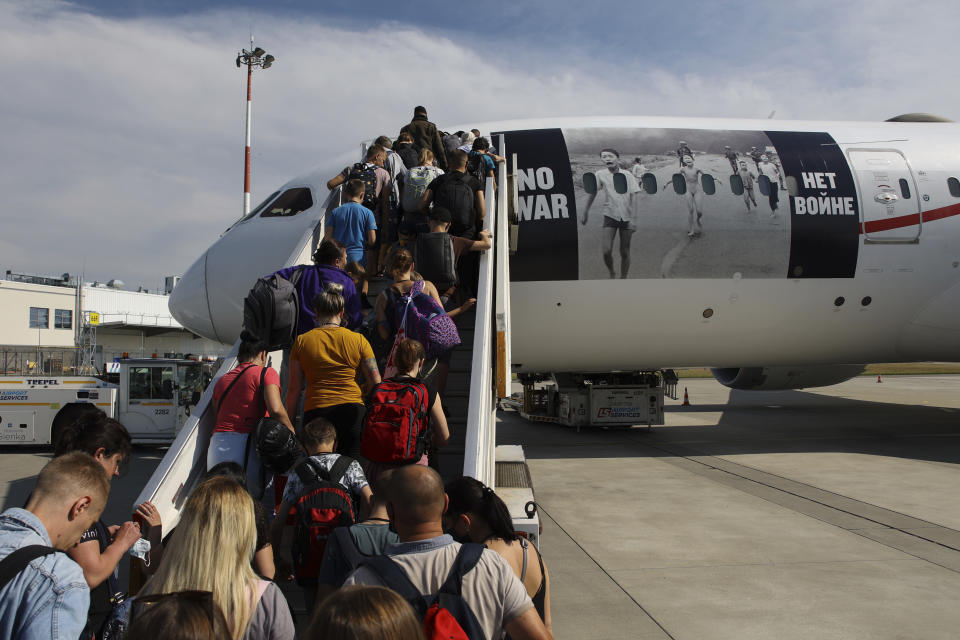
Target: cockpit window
x,y
290,203
255,211
260,206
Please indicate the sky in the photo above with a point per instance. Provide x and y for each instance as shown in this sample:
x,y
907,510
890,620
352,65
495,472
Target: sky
x,y
123,121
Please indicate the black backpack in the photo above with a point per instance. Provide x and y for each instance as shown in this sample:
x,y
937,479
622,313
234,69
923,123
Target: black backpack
x,y
271,310
278,448
445,614
323,505
101,596
456,194
435,259
410,155
477,168
368,174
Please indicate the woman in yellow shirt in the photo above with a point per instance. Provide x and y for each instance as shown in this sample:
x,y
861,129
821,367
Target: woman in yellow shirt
x,y
326,360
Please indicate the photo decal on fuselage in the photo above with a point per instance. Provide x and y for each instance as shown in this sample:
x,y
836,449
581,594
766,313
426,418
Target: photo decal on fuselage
x,y
660,203
682,203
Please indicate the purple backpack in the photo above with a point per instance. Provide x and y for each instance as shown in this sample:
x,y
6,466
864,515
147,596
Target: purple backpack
x,y
424,320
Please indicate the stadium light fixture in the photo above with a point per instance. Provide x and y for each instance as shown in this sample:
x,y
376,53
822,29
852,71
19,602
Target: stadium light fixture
x,y
254,57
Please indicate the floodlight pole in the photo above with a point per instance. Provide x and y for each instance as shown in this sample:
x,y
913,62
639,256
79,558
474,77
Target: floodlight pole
x,y
252,58
246,156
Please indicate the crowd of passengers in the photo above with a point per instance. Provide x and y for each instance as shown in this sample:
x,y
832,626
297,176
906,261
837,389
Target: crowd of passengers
x,y
400,537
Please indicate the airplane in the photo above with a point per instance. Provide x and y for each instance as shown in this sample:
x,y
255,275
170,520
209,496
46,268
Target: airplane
x,y
835,244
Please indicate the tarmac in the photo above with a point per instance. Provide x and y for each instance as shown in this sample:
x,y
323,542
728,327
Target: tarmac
x,y
827,513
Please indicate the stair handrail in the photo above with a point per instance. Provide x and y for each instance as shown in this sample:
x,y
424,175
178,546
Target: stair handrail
x,y
479,447
501,240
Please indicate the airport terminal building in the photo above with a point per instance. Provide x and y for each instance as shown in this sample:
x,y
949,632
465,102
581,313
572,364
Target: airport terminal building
x,y
61,326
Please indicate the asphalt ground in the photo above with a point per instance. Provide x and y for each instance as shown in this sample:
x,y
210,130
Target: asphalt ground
x,y
825,513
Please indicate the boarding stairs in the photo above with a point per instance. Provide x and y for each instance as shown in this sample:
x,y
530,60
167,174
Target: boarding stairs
x,y
479,376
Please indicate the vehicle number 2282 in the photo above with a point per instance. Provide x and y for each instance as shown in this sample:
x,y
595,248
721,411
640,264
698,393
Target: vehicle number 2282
x,y
161,412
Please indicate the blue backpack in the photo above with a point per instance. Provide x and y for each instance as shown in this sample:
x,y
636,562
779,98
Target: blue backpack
x,y
424,320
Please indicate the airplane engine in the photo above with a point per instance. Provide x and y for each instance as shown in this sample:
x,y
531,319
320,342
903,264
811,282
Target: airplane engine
x,y
781,378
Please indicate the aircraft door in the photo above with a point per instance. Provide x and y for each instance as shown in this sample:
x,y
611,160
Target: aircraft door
x,y
890,207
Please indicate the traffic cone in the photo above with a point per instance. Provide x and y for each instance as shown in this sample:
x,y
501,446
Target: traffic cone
x,y
686,398
879,379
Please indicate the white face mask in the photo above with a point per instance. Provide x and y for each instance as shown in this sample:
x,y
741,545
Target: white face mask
x,y
141,549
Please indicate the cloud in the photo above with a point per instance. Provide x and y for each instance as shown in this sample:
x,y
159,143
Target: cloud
x,y
124,136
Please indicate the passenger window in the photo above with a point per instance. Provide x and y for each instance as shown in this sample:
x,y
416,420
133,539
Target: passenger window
x,y
290,203
590,183
708,183
792,187
679,184
649,182
736,185
904,189
954,185
620,182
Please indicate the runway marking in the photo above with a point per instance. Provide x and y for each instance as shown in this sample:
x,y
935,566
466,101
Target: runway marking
x,y
928,541
915,537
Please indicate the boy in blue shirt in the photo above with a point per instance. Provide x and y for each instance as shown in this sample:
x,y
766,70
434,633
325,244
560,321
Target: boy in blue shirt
x,y
352,223
481,153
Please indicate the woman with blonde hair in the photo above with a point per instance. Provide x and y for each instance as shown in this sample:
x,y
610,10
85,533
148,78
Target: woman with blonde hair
x,y
365,613
211,550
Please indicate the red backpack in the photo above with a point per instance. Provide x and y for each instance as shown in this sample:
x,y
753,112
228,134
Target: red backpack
x,y
445,615
323,505
396,429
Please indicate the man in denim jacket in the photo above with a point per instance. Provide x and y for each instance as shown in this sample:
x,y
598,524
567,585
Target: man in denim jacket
x,y
50,598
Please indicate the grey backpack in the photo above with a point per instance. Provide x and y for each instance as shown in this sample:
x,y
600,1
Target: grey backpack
x,y
435,259
272,309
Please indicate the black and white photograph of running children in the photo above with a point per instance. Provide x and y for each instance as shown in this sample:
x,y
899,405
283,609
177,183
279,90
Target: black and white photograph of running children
x,y
677,203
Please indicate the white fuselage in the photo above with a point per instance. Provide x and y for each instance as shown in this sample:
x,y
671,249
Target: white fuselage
x,y
866,214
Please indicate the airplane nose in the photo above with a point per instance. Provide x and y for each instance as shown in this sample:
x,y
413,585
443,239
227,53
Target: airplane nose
x,y
189,304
